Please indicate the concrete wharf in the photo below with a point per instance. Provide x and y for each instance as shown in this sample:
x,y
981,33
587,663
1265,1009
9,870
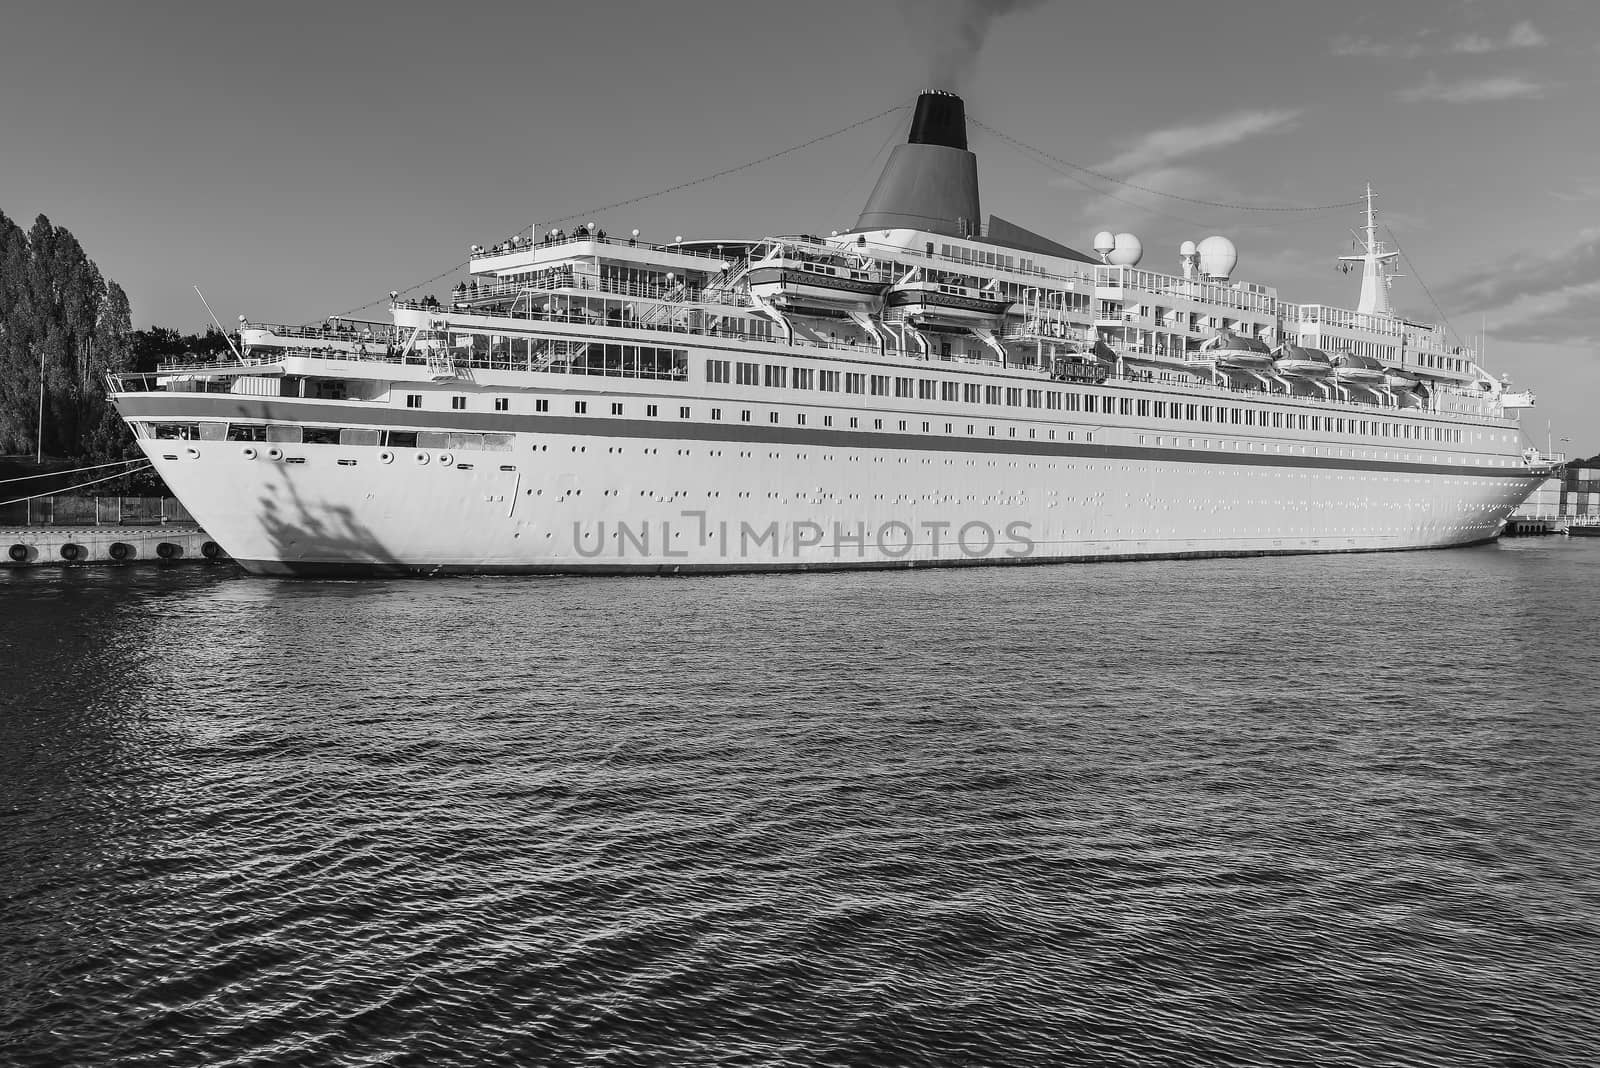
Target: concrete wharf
x,y
43,546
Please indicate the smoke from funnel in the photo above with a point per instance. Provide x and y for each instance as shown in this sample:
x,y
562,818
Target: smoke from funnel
x,y
954,31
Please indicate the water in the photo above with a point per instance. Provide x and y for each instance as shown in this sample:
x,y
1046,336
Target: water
x,y
1313,810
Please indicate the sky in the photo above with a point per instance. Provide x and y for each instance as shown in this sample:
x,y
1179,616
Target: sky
x,y
297,160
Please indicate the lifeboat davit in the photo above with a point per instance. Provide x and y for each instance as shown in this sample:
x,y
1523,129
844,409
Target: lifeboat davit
x,y
1301,362
1363,370
924,301
789,280
1232,351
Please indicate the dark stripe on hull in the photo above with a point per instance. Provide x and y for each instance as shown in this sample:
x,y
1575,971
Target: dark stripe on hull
x,y
219,406
314,569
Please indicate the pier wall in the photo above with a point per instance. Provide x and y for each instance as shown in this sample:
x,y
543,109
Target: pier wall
x,y
1563,504
61,546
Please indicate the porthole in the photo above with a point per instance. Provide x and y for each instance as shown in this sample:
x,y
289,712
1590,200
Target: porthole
x,y
274,453
446,459
386,457
248,452
421,457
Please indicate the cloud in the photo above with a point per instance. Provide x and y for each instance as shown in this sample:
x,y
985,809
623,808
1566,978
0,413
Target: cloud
x,y
1582,193
1562,317
1162,147
1522,35
1345,45
1472,90
1525,35
1158,161
1546,296
1121,206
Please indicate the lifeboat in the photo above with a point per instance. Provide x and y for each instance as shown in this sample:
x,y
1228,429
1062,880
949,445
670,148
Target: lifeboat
x,y
790,279
1395,379
1361,370
922,300
1300,362
1235,352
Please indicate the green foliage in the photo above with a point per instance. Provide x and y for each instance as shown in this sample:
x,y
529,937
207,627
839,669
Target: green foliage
x,y
150,348
62,323
65,324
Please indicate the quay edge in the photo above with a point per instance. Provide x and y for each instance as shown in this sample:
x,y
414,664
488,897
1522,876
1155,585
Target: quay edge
x,y
61,546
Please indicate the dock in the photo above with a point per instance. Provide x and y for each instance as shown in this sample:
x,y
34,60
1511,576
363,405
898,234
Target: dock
x,y
1532,526
53,546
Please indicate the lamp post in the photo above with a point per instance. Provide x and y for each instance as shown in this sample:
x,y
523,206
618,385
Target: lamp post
x,y
38,437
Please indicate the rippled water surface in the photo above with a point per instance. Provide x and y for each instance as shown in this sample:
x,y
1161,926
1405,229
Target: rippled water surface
x,y
1314,810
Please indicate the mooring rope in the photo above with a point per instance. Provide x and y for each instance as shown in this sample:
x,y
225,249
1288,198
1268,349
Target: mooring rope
x,y
74,470
68,489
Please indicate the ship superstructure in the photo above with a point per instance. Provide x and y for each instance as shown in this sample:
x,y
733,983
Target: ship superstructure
x,y
926,388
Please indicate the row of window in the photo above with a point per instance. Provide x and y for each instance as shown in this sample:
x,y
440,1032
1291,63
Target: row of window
x,y
294,434
779,376
289,433
1088,403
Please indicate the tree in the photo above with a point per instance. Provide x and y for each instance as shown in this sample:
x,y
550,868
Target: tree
x,y
19,366
62,324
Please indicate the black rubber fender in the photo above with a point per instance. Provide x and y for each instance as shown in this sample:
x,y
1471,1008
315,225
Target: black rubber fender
x,y
19,553
120,550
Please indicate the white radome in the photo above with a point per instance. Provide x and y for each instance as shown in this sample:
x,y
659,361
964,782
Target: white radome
x,y
1218,257
1127,251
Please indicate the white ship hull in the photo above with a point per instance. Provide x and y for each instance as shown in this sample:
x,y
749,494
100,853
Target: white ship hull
x,y
627,496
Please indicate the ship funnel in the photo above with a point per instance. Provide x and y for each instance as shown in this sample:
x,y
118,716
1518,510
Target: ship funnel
x,y
930,182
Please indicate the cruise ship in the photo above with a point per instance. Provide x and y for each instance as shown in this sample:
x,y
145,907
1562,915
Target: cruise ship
x,y
929,388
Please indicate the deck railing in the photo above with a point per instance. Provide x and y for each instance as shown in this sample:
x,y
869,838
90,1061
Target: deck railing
x,y
505,248
140,382
468,299
326,333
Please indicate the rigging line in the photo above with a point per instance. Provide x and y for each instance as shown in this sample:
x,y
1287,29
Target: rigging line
x,y
72,471
534,228
872,165
1156,192
1418,276
408,289
719,174
79,486
1097,191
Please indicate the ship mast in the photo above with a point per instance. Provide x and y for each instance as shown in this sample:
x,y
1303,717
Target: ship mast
x,y
1375,260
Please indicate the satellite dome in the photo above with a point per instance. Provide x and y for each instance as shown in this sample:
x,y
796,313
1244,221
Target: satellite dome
x,y
1187,249
1127,251
1217,257
1104,242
